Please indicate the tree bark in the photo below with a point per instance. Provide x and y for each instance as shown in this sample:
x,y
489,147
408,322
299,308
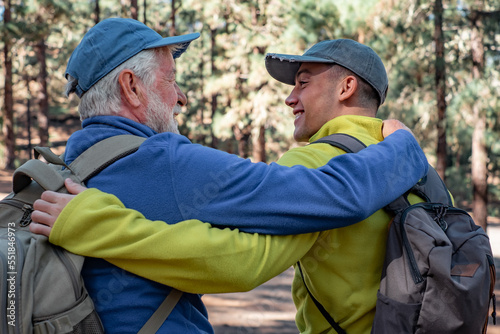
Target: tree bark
x,y
8,121
43,97
259,146
440,78
97,12
479,167
213,101
259,143
134,10
242,136
172,19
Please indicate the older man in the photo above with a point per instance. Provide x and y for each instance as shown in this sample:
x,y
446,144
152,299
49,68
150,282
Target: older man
x,y
125,75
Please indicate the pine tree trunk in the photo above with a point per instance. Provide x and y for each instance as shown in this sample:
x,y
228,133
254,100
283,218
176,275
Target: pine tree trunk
x,y
479,160
440,89
43,97
134,10
259,146
213,102
242,137
479,169
172,19
8,120
97,12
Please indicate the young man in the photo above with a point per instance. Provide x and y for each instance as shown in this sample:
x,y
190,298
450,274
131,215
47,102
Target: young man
x,y
181,181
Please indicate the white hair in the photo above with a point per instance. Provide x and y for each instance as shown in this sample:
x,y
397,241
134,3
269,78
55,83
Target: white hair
x,y
104,97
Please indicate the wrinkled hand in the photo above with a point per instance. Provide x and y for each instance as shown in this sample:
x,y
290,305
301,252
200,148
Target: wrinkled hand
x,y
50,206
389,126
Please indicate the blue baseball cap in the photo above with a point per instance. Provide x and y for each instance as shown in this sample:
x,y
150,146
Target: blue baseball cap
x,y
356,57
110,43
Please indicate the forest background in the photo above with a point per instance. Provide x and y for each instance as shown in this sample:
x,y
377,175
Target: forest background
x,y
442,58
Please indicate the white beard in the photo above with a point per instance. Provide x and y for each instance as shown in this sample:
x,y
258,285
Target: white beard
x,y
159,116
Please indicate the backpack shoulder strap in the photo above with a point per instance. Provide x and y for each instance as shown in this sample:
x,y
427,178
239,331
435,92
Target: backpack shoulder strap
x,y
162,312
102,154
88,164
343,141
432,188
320,307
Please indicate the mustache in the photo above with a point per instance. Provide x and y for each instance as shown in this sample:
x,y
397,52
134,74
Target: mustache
x,y
177,110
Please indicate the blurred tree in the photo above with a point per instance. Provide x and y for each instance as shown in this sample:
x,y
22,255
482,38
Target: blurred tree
x,y
8,115
134,9
43,95
43,16
97,12
173,10
440,75
145,12
479,157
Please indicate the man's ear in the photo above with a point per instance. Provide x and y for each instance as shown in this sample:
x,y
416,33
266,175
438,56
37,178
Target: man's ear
x,y
131,88
348,87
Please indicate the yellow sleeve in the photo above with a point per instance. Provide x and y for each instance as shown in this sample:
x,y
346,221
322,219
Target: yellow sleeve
x,y
191,256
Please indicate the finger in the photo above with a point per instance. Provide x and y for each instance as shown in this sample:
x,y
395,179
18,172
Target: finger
x,y
52,209
42,217
50,196
40,229
41,205
73,187
56,201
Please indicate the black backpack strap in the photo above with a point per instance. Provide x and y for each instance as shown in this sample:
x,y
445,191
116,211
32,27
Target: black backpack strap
x,y
320,307
432,188
343,141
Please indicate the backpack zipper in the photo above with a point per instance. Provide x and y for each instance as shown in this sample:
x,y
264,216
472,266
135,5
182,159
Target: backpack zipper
x,y
25,207
415,272
26,218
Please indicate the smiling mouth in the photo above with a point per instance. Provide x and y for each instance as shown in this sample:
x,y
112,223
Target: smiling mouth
x,y
298,114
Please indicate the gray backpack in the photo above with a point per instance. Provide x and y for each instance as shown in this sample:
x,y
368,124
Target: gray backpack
x,y
41,289
439,274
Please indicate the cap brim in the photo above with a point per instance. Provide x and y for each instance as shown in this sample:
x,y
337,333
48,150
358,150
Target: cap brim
x,y
283,67
182,41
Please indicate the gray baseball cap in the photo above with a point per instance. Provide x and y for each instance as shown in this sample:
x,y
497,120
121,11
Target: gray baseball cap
x,y
110,43
356,57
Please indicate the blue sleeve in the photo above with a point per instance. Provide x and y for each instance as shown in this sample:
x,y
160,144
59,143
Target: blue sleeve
x,y
225,190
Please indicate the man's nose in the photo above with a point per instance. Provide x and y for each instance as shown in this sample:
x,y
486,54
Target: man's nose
x,y
181,98
292,99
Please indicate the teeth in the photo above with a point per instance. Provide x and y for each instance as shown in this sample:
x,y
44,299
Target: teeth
x,y
298,115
